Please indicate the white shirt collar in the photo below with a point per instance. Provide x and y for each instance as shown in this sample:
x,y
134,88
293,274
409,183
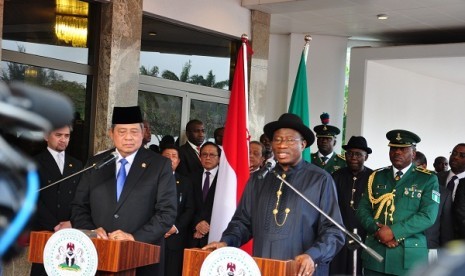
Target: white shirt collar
x,y
329,155
404,170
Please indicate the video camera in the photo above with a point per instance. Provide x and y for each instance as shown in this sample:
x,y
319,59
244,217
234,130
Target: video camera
x,y
23,108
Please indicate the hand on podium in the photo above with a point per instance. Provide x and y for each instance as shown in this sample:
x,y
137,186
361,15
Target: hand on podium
x,y
120,236
214,245
305,264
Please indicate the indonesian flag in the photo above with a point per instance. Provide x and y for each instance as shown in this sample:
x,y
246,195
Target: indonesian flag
x,y
233,170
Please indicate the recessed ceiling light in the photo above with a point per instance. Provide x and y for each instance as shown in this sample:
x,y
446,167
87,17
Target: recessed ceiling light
x,y
152,33
382,16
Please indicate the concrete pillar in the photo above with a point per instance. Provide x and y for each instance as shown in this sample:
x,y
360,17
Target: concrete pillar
x,y
118,66
260,38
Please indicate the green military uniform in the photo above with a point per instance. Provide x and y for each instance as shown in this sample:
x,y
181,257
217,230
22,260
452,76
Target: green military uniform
x,y
337,161
408,206
331,165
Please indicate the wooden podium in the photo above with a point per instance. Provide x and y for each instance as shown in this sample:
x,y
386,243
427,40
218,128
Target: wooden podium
x,y
114,257
193,259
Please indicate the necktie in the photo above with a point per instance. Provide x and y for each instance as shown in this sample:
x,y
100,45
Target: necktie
x,y
398,175
451,184
324,158
121,178
60,161
206,185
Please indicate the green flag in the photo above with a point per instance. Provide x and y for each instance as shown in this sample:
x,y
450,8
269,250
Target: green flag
x,y
299,99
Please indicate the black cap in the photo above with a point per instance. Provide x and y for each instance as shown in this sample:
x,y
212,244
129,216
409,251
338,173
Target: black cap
x,y
357,142
289,120
126,115
326,130
402,138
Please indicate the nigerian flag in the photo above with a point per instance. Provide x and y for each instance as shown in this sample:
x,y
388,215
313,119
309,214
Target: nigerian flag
x,y
299,99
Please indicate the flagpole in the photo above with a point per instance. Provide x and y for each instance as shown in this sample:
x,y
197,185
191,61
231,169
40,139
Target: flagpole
x,y
244,39
307,39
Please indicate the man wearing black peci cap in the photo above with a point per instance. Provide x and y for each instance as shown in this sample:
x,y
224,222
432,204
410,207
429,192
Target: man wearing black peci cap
x,y
325,157
133,198
400,203
351,182
281,223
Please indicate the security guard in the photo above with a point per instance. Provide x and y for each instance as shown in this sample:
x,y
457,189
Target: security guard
x,y
400,203
325,157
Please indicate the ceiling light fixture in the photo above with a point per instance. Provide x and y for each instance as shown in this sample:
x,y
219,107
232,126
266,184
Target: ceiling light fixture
x,y
382,16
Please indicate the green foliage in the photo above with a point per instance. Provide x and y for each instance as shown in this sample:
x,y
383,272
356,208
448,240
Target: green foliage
x,y
209,80
153,72
46,78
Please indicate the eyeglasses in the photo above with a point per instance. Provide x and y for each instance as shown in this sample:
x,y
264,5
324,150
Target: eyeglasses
x,y
355,154
287,141
209,155
456,153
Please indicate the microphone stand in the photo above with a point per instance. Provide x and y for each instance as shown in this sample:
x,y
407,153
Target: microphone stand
x,y
357,239
65,178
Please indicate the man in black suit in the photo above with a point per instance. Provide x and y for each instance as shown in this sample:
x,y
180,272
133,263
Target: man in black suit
x,y
459,210
450,179
189,152
442,231
53,207
204,193
134,199
177,237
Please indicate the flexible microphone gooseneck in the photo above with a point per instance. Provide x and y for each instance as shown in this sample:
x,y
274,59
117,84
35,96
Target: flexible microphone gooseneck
x,y
102,163
357,239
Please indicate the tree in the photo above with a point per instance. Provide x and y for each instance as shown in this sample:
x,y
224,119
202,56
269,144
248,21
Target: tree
x,y
194,79
153,72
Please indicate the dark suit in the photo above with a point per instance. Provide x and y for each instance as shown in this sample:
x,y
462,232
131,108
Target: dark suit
x,y
442,230
190,162
459,209
147,205
203,209
176,243
53,205
442,178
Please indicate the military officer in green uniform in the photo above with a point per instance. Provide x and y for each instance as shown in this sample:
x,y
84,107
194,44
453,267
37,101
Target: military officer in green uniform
x,y
400,203
325,157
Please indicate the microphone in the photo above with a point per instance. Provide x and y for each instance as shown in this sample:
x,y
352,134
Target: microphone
x,y
105,161
100,164
27,107
266,169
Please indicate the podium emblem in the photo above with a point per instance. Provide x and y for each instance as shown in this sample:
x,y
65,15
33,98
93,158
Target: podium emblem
x,y
229,261
70,252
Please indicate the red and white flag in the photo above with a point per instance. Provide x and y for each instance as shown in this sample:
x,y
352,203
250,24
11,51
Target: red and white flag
x,y
233,170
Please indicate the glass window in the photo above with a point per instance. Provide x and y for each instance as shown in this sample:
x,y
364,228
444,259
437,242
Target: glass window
x,y
163,112
72,85
213,115
176,52
56,29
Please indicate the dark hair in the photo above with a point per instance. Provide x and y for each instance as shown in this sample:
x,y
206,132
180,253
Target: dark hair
x,y
420,158
211,144
215,133
166,141
261,145
167,147
192,123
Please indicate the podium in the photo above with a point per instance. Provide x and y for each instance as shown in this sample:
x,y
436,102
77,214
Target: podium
x,y
194,257
114,257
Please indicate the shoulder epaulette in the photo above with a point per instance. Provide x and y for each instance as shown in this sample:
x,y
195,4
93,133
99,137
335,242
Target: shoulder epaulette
x,y
423,170
342,157
382,169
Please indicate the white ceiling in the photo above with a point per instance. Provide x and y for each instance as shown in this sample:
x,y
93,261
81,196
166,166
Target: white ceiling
x,y
410,22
